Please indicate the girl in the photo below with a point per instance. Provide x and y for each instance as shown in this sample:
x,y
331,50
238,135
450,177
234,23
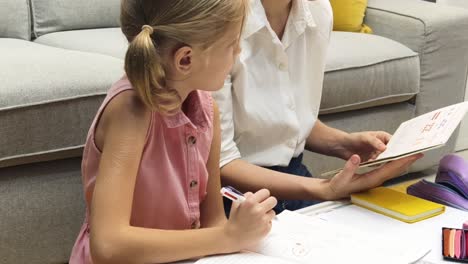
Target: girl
x,y
150,164
270,105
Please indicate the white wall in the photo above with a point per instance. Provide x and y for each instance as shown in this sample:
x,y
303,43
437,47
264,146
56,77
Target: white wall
x,y
462,142
460,3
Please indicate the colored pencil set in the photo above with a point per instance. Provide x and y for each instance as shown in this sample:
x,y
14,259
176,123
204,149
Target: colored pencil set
x,y
455,244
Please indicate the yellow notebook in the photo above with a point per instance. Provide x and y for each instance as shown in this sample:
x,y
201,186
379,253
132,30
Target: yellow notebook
x,y
402,187
401,206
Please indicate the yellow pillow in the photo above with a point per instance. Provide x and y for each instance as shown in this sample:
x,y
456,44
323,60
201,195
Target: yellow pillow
x,y
349,15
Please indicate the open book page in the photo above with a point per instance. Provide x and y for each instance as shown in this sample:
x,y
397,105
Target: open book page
x,y
306,239
422,133
425,131
242,258
297,239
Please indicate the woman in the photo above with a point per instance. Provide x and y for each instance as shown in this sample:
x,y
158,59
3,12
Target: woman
x,y
269,110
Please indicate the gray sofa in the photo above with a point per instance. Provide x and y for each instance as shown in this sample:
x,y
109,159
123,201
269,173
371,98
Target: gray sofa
x,y
58,58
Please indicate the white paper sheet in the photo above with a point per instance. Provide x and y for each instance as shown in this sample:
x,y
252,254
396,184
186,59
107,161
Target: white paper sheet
x,y
300,239
313,240
242,258
426,233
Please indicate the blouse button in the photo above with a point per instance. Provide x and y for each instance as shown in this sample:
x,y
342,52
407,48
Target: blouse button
x,y
192,140
291,105
283,66
193,184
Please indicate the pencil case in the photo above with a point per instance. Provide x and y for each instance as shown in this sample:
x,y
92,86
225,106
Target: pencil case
x,y
450,186
455,244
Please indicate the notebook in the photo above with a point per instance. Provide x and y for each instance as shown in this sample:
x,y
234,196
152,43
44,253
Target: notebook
x,y
429,131
398,205
297,239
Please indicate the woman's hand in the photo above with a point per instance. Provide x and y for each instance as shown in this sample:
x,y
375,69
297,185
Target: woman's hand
x,y
250,221
368,145
347,181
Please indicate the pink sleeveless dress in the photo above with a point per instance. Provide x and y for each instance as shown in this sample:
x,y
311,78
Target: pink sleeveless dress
x,y
172,177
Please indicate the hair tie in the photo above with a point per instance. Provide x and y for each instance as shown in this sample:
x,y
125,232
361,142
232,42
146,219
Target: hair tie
x,y
149,28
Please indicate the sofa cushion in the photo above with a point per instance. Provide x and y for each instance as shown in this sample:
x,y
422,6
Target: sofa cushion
x,y
52,16
48,98
15,19
109,41
366,70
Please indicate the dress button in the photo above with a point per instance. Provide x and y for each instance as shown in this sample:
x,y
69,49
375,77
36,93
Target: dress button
x,y
195,224
192,140
193,184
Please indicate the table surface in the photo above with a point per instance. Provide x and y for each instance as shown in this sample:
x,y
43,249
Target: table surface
x,y
432,226
429,229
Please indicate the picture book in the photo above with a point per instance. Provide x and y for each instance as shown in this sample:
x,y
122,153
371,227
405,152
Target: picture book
x,y
425,132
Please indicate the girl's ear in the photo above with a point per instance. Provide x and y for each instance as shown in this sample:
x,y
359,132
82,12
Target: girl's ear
x,y
183,60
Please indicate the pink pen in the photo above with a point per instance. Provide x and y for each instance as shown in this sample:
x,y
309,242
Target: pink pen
x,y
232,194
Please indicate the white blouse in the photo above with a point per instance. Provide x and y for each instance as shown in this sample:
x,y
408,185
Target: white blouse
x,y
271,100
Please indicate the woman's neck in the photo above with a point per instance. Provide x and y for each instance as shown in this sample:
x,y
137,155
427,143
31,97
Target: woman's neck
x,y
275,8
277,12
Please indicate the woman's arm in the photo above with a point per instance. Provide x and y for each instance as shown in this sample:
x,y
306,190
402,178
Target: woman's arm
x,y
326,140
212,213
249,177
123,127
285,186
333,142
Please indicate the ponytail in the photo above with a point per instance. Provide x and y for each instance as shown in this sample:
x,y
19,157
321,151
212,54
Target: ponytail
x,y
145,71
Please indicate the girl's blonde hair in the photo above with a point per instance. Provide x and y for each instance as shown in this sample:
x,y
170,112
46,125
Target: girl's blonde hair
x,y
152,26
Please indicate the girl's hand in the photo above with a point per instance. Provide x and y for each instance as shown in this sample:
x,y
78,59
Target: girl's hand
x,y
347,181
250,221
368,145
